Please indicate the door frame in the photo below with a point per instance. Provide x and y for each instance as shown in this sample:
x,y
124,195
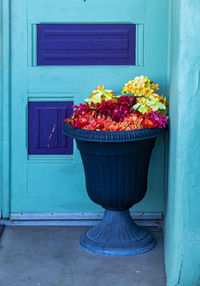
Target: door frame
x,y
5,74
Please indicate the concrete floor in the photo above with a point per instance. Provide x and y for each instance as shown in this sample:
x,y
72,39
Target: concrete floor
x,y
51,256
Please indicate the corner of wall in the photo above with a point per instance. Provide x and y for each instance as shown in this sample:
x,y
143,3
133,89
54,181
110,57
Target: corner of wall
x,y
182,224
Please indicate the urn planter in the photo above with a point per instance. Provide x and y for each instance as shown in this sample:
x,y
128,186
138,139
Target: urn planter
x,y
116,168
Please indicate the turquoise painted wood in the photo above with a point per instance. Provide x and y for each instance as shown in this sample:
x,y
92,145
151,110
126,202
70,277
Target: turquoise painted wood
x,y
182,226
56,183
5,111
1,104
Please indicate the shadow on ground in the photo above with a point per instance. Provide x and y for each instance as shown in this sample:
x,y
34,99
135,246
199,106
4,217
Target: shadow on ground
x,y
51,256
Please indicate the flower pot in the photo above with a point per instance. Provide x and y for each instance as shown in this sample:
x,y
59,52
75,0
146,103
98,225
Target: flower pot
x,y
116,168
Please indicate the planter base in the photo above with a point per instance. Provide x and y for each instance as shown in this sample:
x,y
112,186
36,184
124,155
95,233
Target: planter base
x,y
117,235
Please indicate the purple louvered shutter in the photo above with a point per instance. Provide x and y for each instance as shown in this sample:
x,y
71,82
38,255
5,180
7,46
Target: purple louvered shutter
x,y
86,44
45,136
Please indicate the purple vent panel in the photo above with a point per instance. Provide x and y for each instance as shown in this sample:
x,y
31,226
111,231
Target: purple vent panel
x,y
45,135
86,44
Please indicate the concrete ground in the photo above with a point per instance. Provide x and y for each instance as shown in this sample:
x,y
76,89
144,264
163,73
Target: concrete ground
x,y
51,256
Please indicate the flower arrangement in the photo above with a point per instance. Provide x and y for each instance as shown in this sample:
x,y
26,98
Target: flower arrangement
x,y
139,106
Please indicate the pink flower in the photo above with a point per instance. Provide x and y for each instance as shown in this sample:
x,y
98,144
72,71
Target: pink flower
x,y
158,120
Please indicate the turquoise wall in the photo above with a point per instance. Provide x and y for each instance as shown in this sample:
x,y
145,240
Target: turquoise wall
x,y
182,226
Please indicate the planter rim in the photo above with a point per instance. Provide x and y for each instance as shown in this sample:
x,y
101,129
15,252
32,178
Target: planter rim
x,y
112,136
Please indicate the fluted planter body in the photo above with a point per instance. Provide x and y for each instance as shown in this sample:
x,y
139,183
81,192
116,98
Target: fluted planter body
x,y
116,168
116,173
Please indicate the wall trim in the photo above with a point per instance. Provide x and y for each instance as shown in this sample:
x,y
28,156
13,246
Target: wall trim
x,y
5,90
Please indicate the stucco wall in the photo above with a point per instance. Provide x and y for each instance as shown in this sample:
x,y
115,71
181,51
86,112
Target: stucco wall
x,y
182,227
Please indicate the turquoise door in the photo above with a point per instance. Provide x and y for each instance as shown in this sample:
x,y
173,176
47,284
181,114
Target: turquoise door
x,y
55,183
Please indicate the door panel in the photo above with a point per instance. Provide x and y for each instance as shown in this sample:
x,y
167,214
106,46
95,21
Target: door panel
x,y
55,183
85,44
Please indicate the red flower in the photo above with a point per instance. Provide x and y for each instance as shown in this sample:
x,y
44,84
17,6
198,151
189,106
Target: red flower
x,y
114,115
116,108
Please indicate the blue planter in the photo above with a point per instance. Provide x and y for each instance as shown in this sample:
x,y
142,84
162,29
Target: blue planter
x,y
116,168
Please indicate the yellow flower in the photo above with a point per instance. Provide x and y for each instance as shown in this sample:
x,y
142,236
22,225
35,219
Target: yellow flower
x,y
140,86
145,92
148,91
154,86
152,103
100,94
143,109
142,100
157,106
155,97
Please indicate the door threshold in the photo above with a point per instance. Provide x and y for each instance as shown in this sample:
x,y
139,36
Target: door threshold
x,y
76,219
79,215
153,223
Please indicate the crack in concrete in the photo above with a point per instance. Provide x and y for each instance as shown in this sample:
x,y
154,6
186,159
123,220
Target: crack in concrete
x,y
180,271
1,229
